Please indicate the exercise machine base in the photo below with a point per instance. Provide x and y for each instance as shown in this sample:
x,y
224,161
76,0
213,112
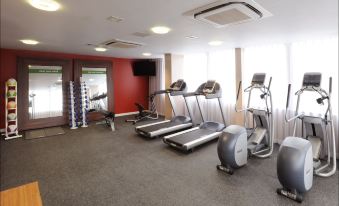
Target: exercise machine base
x,y
291,195
227,170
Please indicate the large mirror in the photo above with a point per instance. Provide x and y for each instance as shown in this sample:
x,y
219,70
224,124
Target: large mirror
x,y
42,92
98,78
45,91
96,81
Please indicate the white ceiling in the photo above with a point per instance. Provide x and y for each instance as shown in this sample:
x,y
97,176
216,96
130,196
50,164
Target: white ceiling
x,y
80,22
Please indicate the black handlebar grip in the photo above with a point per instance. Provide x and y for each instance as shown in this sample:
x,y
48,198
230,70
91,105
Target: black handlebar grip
x,y
330,89
238,90
269,83
288,95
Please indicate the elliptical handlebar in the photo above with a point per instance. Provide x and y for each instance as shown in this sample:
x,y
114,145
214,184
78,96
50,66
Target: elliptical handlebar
x,y
238,93
330,87
269,84
239,87
287,106
288,96
267,92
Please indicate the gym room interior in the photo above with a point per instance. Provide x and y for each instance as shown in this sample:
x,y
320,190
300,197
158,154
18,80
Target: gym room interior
x,y
154,102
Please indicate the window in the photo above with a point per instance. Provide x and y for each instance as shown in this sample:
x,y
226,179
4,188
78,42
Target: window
x,y
287,64
317,56
271,60
219,66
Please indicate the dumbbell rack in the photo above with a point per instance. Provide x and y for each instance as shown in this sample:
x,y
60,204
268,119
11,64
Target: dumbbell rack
x,y
73,123
14,110
84,101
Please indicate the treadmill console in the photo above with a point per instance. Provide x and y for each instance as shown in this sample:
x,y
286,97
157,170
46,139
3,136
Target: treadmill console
x,y
177,86
209,87
312,79
258,79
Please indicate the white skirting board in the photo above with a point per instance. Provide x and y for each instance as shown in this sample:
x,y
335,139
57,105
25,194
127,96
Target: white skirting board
x,y
126,114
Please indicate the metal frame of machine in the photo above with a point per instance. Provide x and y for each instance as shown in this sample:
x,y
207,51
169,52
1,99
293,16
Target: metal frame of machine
x,y
178,122
240,142
208,130
307,148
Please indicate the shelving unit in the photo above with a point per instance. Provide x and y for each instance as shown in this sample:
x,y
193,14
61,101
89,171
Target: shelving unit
x,y
11,114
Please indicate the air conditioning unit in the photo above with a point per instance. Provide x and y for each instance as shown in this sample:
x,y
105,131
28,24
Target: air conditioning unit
x,y
121,44
229,12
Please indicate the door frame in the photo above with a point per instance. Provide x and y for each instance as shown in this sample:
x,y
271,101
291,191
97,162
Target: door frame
x,y
79,64
23,90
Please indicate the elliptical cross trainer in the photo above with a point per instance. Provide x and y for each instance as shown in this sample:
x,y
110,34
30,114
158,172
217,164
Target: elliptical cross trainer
x,y
300,157
240,142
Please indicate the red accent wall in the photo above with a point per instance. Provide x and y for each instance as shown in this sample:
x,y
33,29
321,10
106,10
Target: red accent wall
x,y
127,88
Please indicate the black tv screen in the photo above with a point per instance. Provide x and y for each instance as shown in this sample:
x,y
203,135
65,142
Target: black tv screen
x,y
144,68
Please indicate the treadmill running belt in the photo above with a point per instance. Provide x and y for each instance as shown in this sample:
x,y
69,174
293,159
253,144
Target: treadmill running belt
x,y
156,127
189,136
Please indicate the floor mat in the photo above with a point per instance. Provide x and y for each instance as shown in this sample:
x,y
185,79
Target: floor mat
x,y
39,133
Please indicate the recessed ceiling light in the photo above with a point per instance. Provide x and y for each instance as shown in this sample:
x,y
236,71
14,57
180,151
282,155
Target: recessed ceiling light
x,y
146,54
215,43
59,80
160,29
91,80
46,5
100,49
191,37
29,41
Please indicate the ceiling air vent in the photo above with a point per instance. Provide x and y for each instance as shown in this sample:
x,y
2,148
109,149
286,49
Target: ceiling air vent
x,y
141,34
121,44
227,12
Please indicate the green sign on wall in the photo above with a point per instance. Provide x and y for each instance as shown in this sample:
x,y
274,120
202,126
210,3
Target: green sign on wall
x,y
93,72
45,71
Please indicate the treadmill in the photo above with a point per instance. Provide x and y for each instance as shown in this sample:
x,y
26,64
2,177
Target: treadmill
x,y
178,122
208,130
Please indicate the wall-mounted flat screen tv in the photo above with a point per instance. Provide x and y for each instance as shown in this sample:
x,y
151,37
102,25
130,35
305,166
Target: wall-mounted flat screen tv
x,y
144,68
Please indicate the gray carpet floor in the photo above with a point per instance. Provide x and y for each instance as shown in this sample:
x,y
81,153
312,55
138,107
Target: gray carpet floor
x,y
96,167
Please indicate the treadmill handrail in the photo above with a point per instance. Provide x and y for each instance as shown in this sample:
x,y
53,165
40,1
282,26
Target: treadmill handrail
x,y
201,138
161,91
151,124
190,94
180,133
164,91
